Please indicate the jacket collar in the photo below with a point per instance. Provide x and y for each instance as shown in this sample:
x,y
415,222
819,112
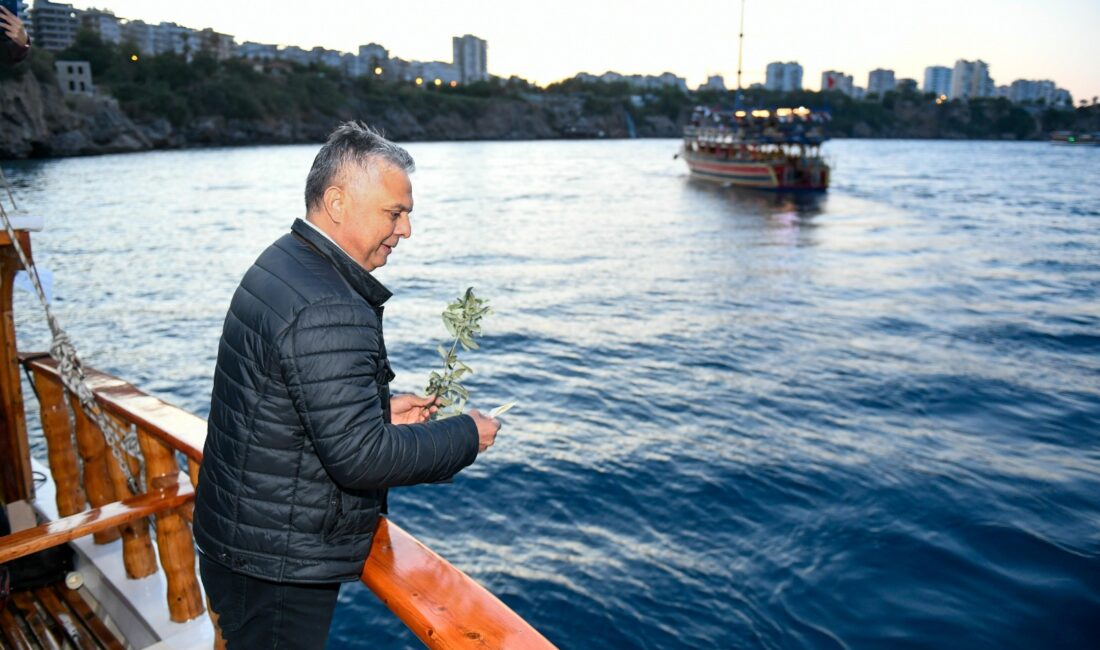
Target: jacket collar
x,y
359,278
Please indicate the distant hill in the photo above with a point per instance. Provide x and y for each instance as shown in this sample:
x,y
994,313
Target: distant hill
x,y
165,101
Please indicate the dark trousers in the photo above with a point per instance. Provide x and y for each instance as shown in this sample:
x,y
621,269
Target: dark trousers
x,y
260,614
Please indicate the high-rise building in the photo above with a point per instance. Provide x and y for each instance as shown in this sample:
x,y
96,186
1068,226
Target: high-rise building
x,y
55,24
440,73
104,23
257,51
837,81
880,81
971,79
471,58
295,54
371,60
1035,91
142,35
666,80
373,53
937,80
221,46
22,9
176,39
785,77
1063,98
326,57
714,82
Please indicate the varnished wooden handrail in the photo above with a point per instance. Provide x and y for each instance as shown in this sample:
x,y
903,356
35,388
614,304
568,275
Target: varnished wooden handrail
x,y
180,430
443,606
111,515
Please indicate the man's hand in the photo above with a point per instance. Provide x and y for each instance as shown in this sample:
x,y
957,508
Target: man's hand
x,y
13,27
486,430
411,409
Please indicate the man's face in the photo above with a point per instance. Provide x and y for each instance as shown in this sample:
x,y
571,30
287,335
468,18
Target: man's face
x,y
376,205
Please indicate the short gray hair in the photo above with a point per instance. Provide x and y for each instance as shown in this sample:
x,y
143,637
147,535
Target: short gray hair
x,y
351,143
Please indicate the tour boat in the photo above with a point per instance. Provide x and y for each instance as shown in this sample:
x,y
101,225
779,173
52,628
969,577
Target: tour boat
x,y
114,500
762,149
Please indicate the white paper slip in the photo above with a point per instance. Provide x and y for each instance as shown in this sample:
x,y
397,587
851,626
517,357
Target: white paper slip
x,y
501,410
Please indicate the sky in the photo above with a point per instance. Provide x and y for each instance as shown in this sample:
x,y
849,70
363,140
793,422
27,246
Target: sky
x,y
545,42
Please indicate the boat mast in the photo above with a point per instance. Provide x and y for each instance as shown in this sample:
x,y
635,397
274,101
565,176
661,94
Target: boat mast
x,y
740,49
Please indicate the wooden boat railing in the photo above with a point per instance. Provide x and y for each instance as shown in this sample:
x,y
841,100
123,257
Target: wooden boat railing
x,y
443,606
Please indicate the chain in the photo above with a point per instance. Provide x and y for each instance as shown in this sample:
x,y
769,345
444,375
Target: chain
x,y
69,367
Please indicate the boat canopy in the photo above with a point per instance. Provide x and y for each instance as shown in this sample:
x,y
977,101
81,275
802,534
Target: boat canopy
x,y
799,125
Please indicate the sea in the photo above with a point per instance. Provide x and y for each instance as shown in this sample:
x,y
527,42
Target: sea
x,y
868,418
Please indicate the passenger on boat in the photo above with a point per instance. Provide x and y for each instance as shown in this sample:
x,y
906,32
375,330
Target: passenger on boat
x,y
17,43
304,439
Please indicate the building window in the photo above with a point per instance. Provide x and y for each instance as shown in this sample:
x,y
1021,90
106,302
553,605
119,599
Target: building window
x,y
72,86
80,69
70,69
82,87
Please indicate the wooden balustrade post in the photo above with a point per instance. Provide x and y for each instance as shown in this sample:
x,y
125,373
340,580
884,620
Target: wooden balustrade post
x,y
137,546
16,481
97,481
59,444
174,542
193,470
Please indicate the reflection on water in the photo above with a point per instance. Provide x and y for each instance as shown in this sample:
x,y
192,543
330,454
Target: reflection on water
x,y
749,201
861,419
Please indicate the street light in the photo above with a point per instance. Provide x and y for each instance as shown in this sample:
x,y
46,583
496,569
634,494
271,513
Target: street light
x,y
378,70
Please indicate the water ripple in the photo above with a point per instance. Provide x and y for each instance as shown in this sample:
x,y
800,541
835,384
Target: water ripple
x,y
869,419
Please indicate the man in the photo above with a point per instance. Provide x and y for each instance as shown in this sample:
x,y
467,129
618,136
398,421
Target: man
x,y
15,44
303,438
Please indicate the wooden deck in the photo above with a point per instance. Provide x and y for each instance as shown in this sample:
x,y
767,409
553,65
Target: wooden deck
x,y
53,617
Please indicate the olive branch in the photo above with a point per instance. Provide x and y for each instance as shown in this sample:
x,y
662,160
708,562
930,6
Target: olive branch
x,y
462,319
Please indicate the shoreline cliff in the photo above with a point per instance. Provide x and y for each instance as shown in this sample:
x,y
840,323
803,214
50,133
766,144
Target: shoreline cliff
x,y
167,102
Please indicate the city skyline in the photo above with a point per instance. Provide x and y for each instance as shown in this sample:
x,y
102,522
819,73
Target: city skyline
x,y
857,36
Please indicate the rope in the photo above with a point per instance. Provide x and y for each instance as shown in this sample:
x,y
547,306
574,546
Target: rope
x,y
69,367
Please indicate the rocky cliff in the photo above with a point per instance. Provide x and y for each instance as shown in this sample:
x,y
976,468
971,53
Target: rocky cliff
x,y
170,103
39,121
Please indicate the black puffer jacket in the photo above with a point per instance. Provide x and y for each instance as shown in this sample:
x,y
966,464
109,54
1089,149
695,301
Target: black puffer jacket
x,y
299,450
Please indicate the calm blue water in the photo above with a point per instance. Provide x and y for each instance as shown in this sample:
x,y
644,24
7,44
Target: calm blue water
x,y
864,420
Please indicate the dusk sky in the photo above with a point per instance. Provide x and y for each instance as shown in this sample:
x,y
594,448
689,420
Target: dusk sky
x,y
1053,39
